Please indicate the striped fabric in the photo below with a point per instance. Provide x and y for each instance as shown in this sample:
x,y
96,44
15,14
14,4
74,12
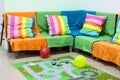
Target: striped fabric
x,y
58,25
19,27
93,25
116,37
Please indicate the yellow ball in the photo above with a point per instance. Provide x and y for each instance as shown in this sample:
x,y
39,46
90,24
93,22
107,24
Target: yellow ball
x,y
79,61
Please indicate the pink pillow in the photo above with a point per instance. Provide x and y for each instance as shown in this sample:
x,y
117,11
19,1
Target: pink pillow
x,y
58,25
93,25
19,27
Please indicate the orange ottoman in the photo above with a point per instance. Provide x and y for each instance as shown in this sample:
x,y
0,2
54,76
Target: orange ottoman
x,y
107,51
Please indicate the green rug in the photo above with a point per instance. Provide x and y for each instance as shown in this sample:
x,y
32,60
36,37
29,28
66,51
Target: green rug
x,y
61,68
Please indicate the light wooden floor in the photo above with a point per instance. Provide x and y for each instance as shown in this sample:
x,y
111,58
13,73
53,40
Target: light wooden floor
x,y
8,72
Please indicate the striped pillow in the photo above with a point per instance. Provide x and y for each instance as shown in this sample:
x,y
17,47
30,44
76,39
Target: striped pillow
x,y
58,25
19,27
116,37
93,25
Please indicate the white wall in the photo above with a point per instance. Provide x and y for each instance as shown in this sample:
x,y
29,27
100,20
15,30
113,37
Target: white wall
x,y
102,5
44,5
27,5
1,12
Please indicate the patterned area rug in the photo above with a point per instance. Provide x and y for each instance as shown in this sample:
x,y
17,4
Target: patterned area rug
x,y
61,68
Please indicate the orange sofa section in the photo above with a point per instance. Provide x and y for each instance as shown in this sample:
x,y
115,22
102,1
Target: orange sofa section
x,y
107,51
19,44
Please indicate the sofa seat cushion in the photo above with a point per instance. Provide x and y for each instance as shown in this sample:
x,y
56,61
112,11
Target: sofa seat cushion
x,y
58,41
107,51
85,42
35,43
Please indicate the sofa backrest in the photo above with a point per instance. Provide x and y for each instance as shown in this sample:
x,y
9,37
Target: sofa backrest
x,y
76,19
23,14
42,22
109,25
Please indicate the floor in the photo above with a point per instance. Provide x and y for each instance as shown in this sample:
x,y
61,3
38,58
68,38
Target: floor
x,y
8,72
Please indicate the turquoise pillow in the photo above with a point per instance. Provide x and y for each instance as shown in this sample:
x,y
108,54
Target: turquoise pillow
x,y
116,37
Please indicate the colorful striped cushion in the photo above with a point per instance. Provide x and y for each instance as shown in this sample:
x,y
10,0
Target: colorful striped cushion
x,y
93,25
116,37
20,27
58,25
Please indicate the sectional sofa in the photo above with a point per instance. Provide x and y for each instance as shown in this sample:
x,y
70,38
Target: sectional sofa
x,y
75,39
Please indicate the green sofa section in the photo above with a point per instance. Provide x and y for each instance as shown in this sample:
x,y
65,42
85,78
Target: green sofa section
x,y
52,41
85,43
82,42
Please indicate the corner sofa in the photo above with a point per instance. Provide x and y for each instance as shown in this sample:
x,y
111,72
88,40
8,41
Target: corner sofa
x,y
76,19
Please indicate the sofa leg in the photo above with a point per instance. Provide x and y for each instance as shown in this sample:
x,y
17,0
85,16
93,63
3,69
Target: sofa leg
x,y
16,55
118,67
70,48
77,50
97,59
9,48
93,57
